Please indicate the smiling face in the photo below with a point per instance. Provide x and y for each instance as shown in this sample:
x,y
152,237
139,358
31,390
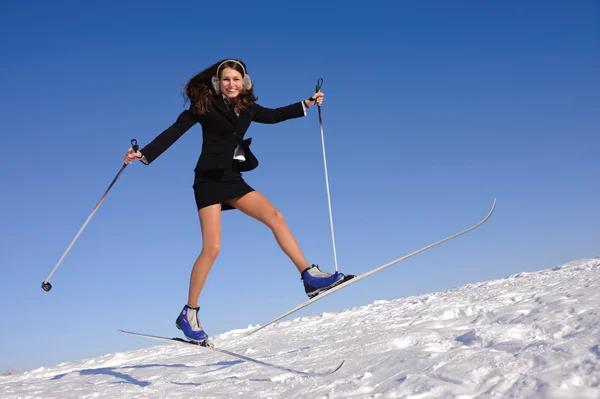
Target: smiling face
x,y
231,82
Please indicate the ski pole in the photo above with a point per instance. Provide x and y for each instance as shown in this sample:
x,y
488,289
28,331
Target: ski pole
x,y
318,89
46,286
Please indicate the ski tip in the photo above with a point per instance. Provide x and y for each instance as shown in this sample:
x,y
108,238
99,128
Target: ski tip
x,y
324,373
491,210
339,366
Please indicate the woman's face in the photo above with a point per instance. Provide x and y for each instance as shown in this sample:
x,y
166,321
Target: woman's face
x,y
231,82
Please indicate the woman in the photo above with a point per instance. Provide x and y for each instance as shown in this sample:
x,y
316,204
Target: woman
x,y
223,102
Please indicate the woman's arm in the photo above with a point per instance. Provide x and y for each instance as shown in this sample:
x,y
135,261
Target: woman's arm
x,y
167,138
262,114
269,115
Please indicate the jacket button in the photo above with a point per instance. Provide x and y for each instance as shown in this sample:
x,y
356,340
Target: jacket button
x,y
235,133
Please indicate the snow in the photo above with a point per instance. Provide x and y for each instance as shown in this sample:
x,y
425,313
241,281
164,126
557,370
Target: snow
x,y
530,335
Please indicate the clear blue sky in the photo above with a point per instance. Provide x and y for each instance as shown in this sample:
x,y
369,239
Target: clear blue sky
x,y
432,110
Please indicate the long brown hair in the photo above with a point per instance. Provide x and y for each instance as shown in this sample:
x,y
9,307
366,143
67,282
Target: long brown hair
x,y
199,90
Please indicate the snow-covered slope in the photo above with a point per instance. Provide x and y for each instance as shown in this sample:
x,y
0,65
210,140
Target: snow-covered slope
x,y
530,335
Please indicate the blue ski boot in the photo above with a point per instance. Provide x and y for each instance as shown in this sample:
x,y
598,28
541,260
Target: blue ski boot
x,y
316,281
189,323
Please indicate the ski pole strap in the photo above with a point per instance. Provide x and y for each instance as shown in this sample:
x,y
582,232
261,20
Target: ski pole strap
x,y
318,89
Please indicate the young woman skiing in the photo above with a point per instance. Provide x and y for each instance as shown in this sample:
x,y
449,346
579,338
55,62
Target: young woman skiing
x,y
222,101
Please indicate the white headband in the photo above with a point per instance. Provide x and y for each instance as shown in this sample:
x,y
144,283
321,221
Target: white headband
x,y
226,61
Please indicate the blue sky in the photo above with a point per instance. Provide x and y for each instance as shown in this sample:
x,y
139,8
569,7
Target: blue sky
x,y
432,110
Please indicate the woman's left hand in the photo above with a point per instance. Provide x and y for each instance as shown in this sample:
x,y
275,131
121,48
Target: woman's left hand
x,y
316,98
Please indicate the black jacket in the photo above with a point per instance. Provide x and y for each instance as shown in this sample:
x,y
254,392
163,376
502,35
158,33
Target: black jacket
x,y
222,131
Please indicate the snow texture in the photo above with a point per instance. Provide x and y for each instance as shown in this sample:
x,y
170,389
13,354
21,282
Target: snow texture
x,y
530,335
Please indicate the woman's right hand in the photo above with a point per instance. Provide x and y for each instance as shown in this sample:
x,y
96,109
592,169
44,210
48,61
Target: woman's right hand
x,y
131,156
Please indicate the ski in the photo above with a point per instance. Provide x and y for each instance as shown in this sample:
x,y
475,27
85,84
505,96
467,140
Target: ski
x,y
355,279
236,355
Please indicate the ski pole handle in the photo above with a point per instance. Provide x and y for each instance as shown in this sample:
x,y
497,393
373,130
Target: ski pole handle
x,y
317,90
134,145
319,85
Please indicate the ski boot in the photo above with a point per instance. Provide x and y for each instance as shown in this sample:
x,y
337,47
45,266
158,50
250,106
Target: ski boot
x,y
189,323
317,281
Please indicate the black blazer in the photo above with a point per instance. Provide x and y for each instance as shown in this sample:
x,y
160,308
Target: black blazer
x,y
222,131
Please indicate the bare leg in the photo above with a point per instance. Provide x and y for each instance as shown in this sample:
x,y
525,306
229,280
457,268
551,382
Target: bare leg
x,y
256,205
210,223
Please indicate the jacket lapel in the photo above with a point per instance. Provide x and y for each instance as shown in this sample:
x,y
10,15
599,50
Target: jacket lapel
x,y
221,106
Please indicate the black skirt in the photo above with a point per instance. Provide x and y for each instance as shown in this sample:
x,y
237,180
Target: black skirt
x,y
217,186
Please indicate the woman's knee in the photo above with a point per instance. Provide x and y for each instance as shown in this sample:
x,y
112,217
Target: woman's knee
x,y
211,249
276,218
